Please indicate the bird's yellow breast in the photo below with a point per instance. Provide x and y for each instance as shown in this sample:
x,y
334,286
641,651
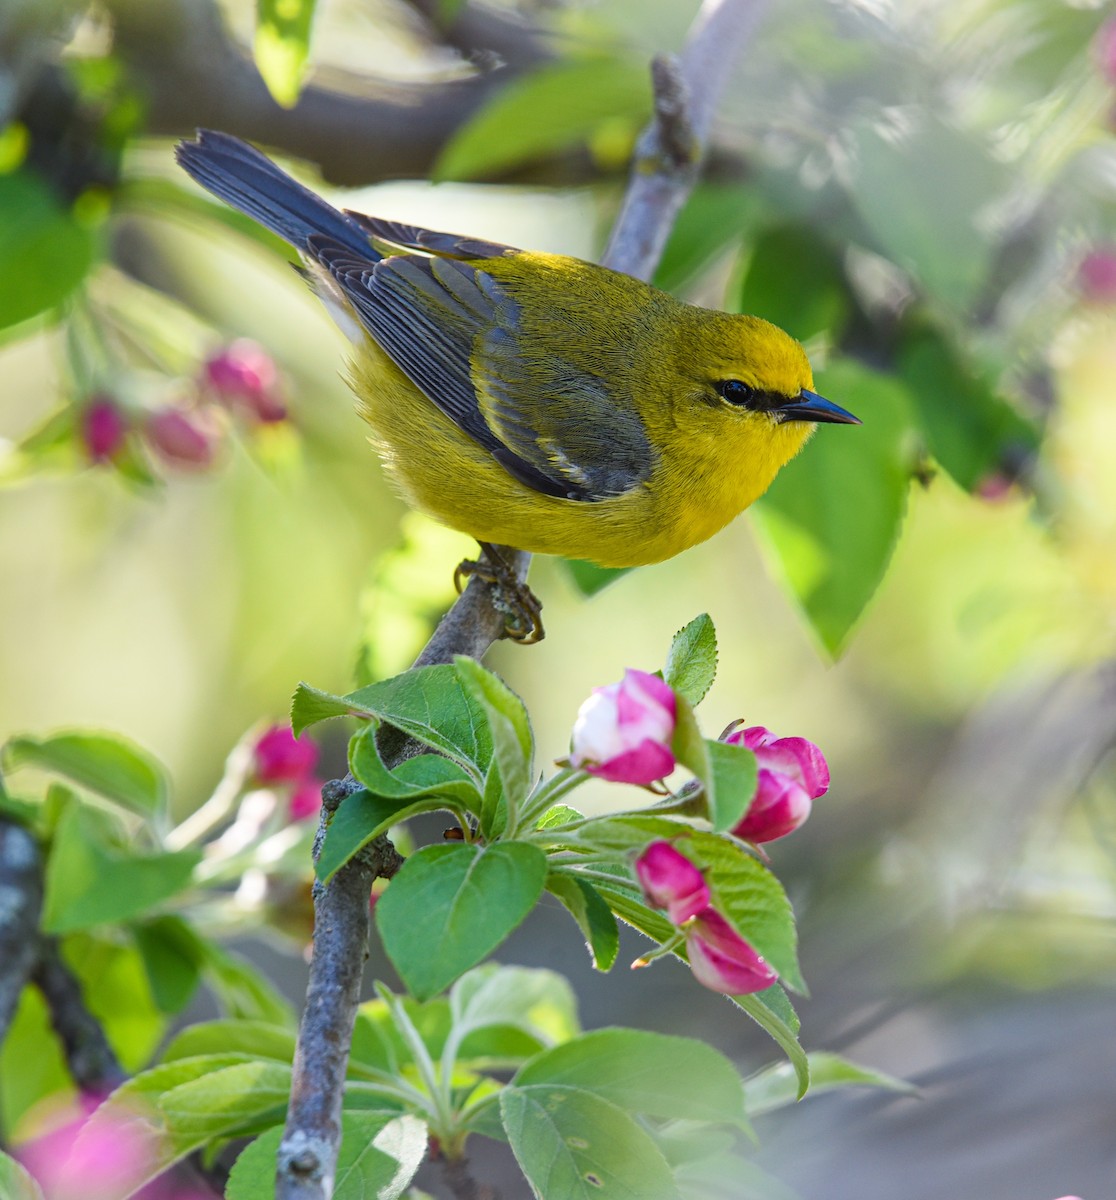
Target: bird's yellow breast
x,y
702,474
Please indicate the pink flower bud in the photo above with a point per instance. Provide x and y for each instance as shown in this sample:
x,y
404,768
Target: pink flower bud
x,y
280,757
623,731
103,429
243,375
1104,50
306,800
722,960
183,437
793,773
1096,276
669,880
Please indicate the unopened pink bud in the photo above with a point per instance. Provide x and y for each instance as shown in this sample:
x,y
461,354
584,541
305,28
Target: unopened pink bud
x,y
623,731
669,880
243,375
306,800
280,757
1104,50
103,429
1097,276
792,774
722,960
183,437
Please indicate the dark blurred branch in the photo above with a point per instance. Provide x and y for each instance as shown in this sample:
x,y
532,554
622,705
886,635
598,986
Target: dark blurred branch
x,y
358,130
21,902
93,1065
685,96
26,956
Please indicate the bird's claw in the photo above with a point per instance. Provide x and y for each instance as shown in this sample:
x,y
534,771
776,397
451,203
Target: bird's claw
x,y
522,609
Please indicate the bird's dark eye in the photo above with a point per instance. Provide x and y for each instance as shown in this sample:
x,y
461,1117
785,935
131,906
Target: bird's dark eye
x,y
736,392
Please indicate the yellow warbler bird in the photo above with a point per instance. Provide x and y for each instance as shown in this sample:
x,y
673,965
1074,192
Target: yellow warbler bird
x,y
533,400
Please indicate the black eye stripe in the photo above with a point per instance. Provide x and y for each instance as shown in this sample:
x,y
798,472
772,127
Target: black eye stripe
x,y
743,395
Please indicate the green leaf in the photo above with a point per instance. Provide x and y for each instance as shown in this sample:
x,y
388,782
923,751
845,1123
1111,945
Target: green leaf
x,y
690,747
651,1073
173,956
90,883
969,429
751,898
832,517
429,704
104,763
282,46
593,916
628,833
796,281
921,190
255,1039
634,912
539,1002
379,1155
588,578
414,778
734,782
572,1145
361,818
559,815
44,252
777,1086
470,899
177,1108
712,221
513,744
15,1182
691,664
554,108
772,1012
243,991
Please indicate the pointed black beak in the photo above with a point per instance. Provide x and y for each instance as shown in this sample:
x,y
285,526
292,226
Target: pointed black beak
x,y
811,407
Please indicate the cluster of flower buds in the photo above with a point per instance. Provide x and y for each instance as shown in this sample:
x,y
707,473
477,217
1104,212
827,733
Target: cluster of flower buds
x,y
279,759
241,380
624,733
719,957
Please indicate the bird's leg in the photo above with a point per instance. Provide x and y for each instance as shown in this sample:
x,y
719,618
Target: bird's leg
x,y
522,609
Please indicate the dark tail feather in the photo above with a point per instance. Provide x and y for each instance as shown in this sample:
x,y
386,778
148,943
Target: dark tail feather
x,y
248,180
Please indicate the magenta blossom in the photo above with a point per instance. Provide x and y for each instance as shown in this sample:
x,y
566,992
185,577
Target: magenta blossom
x,y
1104,49
103,429
669,880
182,437
243,375
722,960
623,731
306,799
793,773
280,757
1096,276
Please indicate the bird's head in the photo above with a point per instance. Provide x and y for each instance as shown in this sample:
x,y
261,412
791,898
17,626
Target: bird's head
x,y
754,372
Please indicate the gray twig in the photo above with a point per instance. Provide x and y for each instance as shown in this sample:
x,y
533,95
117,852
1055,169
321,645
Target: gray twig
x,y
669,151
664,171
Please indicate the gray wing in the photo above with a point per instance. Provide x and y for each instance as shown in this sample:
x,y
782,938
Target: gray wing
x,y
453,329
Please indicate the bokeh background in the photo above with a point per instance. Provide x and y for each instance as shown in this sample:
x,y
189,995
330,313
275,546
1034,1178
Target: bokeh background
x,y
926,194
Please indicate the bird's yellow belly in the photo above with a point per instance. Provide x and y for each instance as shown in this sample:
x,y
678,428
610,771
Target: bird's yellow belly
x,y
445,474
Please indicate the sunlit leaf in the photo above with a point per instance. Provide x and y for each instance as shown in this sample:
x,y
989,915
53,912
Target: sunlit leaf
x,y
554,108
282,45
